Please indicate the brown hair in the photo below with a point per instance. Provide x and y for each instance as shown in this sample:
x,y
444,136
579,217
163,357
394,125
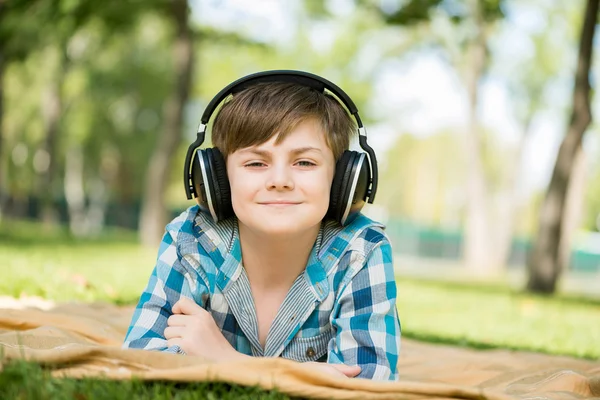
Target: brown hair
x,y
252,116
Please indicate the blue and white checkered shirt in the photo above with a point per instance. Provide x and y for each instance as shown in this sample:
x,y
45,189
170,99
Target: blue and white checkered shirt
x,y
341,309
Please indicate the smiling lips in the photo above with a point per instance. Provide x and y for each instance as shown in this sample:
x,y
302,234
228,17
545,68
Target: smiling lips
x,y
279,203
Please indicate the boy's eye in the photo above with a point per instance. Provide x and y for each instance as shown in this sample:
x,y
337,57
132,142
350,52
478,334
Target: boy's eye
x,y
254,164
305,163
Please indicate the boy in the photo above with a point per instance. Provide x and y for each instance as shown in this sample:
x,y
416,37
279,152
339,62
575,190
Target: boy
x,y
279,278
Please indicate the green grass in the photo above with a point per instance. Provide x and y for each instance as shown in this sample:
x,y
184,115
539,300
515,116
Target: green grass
x,y
114,268
493,316
21,380
53,265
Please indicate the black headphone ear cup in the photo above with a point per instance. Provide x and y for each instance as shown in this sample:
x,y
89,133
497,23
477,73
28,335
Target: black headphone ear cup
x,y
220,184
200,186
349,187
359,189
343,169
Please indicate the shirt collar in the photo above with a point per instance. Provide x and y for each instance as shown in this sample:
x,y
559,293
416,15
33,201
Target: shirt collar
x,y
221,242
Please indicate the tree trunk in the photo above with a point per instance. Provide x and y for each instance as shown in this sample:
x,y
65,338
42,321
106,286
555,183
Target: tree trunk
x,y
153,214
96,211
477,243
84,220
3,195
47,156
74,191
508,204
573,206
545,264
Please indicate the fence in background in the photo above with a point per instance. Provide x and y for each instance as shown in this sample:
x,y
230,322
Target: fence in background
x,y
409,239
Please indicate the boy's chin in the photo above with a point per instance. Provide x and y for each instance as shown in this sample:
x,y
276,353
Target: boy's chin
x,y
284,228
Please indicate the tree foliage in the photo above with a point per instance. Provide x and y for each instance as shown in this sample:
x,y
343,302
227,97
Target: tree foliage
x,y
413,12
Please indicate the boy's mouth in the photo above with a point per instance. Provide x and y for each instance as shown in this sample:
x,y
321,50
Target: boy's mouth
x,y
279,203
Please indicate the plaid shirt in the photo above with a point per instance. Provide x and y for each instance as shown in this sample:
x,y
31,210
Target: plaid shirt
x,y
342,309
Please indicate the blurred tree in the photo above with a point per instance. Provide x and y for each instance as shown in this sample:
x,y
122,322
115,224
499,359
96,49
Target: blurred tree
x,y
18,36
2,67
465,28
113,99
545,263
115,92
2,195
421,180
528,80
51,28
592,211
153,214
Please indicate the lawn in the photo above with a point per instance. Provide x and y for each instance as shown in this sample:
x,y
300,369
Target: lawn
x,y
51,264
493,316
30,382
114,268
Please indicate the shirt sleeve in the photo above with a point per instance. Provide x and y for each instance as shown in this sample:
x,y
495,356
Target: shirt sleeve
x,y
169,282
366,322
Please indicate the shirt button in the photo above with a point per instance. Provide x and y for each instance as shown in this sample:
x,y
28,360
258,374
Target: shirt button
x,y
310,352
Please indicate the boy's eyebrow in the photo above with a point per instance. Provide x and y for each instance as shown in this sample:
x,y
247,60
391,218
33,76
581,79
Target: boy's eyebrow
x,y
256,151
301,150
265,153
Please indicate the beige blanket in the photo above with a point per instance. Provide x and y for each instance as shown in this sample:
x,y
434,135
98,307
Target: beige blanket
x,y
83,340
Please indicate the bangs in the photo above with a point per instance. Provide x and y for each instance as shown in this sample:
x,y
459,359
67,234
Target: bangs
x,y
256,114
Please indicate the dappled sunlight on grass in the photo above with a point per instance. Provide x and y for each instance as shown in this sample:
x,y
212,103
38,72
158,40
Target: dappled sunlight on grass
x,y
112,272
53,265
476,317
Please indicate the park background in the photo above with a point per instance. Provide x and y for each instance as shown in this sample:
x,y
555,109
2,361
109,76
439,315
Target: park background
x,y
466,104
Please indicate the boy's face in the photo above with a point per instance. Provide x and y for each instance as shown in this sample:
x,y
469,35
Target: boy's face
x,y
284,188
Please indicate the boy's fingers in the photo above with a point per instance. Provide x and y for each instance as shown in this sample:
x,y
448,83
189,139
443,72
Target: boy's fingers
x,y
186,306
177,320
175,342
349,370
174,332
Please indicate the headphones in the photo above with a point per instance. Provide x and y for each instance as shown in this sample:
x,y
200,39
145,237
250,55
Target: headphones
x,y
354,181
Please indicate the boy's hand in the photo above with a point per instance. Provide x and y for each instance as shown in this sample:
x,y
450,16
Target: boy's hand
x,y
194,330
339,370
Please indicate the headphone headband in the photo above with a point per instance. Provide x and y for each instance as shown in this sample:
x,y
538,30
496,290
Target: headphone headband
x,y
299,77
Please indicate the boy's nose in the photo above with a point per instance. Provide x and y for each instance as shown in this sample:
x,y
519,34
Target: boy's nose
x,y
280,178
